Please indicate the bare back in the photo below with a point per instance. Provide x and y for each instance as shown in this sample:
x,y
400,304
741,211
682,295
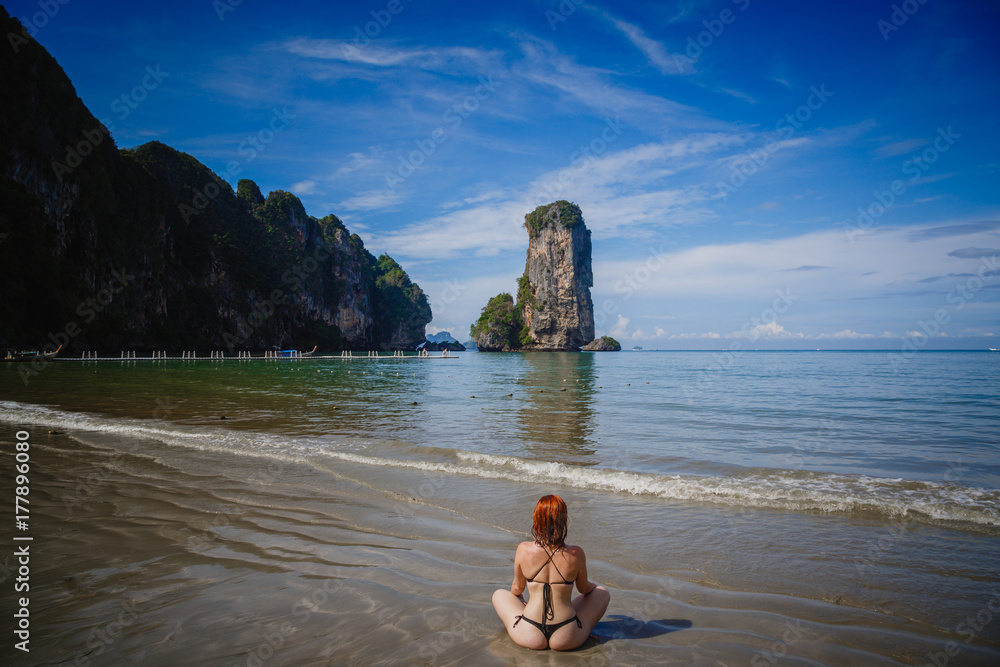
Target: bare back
x,y
566,566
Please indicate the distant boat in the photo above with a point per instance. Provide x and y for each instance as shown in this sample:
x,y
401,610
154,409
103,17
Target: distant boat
x,y
33,355
637,349
296,354
994,349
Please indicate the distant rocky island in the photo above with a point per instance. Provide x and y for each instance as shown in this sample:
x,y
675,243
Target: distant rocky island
x,y
442,341
603,344
554,310
147,248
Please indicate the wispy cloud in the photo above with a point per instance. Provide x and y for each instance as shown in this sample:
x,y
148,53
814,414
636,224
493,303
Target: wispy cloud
x,y
618,190
975,253
595,88
383,54
371,200
899,147
655,52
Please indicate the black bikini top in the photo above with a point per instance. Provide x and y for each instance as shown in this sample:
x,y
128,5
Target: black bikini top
x,y
547,590
549,560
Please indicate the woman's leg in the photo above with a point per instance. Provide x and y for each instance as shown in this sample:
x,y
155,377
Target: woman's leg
x,y
507,607
589,609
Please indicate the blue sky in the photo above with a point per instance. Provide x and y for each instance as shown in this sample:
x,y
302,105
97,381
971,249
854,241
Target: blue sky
x,y
755,174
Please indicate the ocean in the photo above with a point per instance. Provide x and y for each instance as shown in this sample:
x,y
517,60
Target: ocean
x,y
742,507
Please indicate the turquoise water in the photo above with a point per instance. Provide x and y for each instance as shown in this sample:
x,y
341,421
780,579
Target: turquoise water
x,y
854,478
799,430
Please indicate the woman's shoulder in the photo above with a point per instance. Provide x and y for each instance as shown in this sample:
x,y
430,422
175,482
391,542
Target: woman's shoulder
x,y
526,547
568,549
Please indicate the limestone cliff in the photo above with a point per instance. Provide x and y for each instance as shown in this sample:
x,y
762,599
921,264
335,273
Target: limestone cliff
x,y
554,293
499,326
148,248
554,310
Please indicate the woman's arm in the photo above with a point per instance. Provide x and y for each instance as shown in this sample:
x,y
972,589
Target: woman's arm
x,y
583,582
520,581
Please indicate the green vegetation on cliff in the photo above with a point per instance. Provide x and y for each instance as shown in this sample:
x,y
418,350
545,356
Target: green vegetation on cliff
x,y
148,248
397,302
565,213
525,295
499,325
603,344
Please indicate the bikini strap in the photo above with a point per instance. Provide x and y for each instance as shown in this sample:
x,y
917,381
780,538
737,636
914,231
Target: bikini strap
x,y
547,561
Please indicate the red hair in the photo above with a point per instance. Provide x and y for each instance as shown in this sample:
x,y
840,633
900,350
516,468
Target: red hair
x,y
549,521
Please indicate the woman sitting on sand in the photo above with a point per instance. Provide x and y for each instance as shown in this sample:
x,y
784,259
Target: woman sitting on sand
x,y
550,618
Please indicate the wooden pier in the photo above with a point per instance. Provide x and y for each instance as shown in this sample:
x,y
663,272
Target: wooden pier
x,y
243,355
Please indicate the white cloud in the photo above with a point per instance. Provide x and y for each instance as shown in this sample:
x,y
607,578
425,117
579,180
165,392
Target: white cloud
x,y
304,188
619,330
371,200
845,334
360,162
609,188
711,335
879,263
769,331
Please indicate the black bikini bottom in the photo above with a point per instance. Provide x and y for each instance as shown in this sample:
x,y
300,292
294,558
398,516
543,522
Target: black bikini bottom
x,y
546,628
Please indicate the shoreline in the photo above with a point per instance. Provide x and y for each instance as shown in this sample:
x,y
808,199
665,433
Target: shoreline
x,y
192,557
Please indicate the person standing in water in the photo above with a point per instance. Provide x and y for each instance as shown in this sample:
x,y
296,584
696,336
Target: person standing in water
x,y
550,618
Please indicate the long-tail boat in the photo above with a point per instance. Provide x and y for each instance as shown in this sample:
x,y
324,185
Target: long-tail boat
x,y
32,355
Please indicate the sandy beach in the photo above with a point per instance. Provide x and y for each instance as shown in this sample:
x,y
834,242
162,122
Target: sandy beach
x,y
147,554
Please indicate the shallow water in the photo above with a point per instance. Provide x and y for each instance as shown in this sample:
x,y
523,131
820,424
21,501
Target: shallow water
x,y
762,505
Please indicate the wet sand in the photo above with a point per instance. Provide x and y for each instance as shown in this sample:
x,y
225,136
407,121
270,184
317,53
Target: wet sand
x,y
155,555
